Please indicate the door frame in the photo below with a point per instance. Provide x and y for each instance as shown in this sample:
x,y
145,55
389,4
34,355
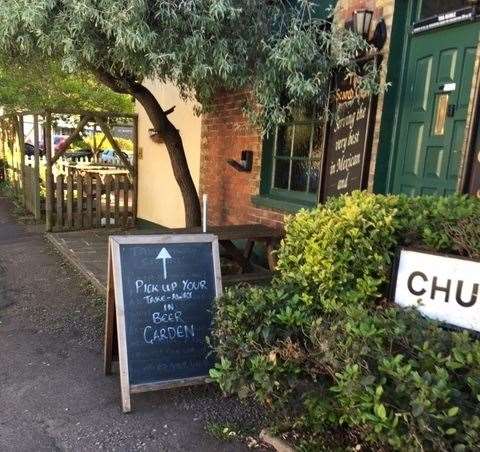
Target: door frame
x,y
472,134
389,133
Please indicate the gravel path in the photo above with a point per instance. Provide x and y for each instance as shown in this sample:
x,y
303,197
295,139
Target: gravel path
x,y
53,394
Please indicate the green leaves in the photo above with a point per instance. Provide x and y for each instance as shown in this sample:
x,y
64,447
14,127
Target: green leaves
x,y
453,411
324,347
380,411
283,52
23,87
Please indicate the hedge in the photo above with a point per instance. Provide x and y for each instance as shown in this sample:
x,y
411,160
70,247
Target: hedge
x,y
341,366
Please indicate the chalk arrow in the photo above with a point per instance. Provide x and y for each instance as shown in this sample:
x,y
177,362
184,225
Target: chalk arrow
x,y
164,255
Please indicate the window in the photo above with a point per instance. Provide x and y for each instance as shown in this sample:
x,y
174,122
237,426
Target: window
x,y
294,161
434,7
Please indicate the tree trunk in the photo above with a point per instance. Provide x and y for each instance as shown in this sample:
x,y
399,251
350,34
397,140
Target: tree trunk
x,y
174,144
171,136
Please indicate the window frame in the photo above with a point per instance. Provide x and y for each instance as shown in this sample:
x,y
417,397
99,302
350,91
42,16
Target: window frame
x,y
269,159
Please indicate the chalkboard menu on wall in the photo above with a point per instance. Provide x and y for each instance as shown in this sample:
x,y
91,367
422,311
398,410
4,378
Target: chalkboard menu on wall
x,y
349,139
163,290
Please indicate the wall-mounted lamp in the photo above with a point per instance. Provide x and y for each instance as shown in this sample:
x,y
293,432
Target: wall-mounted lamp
x,y
155,136
362,20
246,163
361,24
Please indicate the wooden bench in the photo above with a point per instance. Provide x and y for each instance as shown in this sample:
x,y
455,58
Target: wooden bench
x,y
251,234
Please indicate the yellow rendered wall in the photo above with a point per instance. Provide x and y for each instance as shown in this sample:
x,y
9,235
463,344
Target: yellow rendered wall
x,y
159,198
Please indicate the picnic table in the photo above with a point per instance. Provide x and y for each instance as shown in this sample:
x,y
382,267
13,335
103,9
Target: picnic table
x,y
102,170
250,234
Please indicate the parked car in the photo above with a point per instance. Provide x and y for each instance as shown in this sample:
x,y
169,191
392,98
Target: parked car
x,y
58,141
30,150
109,156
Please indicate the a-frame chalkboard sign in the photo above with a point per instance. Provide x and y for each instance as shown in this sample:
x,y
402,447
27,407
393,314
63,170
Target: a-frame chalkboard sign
x,y
159,310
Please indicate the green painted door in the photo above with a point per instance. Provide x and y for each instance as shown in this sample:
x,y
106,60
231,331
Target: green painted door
x,y
433,110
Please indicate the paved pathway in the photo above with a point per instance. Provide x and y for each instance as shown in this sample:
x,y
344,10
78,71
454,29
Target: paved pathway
x,y
53,395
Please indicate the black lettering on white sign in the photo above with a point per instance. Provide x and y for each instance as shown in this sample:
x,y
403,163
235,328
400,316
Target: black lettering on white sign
x,y
444,288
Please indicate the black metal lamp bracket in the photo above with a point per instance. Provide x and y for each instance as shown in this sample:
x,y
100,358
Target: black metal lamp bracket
x,y
246,162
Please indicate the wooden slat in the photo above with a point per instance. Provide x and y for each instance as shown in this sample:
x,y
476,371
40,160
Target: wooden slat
x,y
106,130
126,187
135,172
79,213
98,201
36,180
108,185
48,172
255,232
21,145
253,278
116,183
75,134
59,202
69,218
110,325
88,193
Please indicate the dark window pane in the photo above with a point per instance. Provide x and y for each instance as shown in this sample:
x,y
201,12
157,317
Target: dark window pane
x,y
284,140
299,175
317,145
301,140
314,176
434,7
282,168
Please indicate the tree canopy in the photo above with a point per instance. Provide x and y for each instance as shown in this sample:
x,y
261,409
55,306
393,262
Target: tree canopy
x,y
281,51
42,84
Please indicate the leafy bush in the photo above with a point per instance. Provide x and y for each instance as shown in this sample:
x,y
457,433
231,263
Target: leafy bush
x,y
321,345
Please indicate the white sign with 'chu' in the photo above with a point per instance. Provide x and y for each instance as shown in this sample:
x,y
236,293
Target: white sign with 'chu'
x,y
443,288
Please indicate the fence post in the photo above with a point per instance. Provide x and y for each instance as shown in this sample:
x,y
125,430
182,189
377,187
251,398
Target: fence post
x,y
135,171
126,195
98,200
108,192
116,208
36,171
21,146
69,220
79,215
59,200
48,176
88,193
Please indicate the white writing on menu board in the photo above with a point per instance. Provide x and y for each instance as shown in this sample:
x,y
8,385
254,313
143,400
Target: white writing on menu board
x,y
348,136
167,324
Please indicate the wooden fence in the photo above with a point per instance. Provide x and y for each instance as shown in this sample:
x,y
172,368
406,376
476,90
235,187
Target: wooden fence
x,y
84,202
34,202
50,187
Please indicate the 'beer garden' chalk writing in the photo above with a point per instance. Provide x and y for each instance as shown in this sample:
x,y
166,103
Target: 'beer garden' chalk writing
x,y
168,325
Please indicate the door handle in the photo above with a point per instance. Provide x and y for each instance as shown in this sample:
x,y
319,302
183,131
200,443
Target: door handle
x,y
451,110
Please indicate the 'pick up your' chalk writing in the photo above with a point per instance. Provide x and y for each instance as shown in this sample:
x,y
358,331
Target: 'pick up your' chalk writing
x,y
168,323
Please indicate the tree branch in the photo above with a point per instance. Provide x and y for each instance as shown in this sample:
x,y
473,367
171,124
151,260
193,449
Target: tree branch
x,y
118,85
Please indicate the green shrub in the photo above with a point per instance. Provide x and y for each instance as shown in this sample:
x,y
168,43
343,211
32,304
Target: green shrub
x,y
321,345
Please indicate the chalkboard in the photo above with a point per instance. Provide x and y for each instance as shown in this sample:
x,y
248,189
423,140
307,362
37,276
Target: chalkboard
x,y
163,290
349,138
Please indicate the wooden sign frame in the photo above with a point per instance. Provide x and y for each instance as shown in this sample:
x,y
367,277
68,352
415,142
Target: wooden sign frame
x,y
115,327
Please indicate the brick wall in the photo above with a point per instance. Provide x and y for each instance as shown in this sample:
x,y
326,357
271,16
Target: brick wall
x,y
225,133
